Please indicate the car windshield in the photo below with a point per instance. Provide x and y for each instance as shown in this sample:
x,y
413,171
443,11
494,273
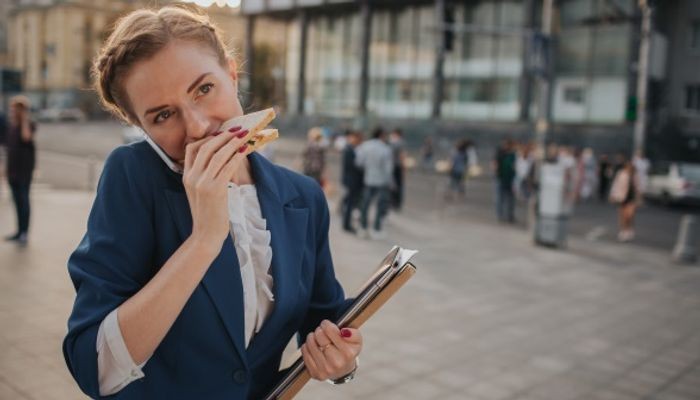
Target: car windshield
x,y
690,171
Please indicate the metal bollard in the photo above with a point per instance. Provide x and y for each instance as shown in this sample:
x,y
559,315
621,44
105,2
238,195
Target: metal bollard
x,y
685,250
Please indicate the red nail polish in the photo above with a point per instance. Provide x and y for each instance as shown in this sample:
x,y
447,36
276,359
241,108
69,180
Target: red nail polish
x,y
235,128
217,133
346,333
242,148
242,134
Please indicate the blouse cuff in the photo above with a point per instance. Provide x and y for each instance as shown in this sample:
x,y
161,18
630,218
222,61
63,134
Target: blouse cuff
x,y
116,368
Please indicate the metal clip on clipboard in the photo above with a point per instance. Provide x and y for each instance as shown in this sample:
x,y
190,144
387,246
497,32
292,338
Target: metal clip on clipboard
x,y
394,270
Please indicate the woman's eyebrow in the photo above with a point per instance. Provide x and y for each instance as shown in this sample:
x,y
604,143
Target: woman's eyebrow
x,y
189,89
197,81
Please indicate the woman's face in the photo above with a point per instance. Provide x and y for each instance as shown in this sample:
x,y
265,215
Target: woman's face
x,y
16,113
182,94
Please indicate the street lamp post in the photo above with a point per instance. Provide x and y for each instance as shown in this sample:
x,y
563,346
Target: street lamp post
x,y
544,114
642,77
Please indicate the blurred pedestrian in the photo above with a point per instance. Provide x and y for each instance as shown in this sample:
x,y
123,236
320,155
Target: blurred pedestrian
x,y
3,150
20,163
351,177
567,160
504,168
3,130
587,174
427,152
625,193
641,165
523,168
459,160
314,156
605,175
376,159
397,144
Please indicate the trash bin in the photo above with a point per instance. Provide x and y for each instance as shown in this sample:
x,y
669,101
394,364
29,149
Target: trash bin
x,y
553,208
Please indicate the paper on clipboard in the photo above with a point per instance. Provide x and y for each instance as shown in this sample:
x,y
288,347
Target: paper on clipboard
x,y
394,270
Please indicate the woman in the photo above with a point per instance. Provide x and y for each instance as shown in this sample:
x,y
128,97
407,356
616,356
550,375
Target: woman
x,y
190,286
458,168
625,193
20,163
314,156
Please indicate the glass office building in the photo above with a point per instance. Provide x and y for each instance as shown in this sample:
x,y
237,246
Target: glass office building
x,y
483,73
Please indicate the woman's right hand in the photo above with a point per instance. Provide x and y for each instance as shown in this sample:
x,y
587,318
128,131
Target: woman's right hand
x,y
209,165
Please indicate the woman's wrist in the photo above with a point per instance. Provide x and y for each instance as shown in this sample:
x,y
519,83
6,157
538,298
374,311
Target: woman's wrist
x,y
346,377
204,246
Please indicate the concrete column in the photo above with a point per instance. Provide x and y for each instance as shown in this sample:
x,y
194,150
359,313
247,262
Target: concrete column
x,y
303,39
366,16
438,73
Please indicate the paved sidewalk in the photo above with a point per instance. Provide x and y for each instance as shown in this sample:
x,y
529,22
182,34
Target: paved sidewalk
x,y
487,317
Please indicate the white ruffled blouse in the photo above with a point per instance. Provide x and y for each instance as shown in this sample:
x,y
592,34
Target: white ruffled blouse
x,y
251,238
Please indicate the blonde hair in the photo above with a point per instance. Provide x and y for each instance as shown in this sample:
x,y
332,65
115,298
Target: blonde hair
x,y
138,36
315,134
20,100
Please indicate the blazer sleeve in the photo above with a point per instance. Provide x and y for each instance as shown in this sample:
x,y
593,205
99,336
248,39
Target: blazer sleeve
x,y
112,262
327,297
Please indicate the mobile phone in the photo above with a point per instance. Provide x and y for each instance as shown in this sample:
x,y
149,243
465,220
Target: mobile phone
x,y
175,167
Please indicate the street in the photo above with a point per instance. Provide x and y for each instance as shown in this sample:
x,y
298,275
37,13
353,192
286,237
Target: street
x,y
73,153
488,315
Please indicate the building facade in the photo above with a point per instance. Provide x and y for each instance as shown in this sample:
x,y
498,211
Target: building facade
x,y
456,67
54,42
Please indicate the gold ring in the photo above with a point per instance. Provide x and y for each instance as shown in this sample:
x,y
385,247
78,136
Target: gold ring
x,y
324,348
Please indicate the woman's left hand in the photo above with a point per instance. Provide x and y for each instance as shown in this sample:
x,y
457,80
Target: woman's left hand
x,y
329,352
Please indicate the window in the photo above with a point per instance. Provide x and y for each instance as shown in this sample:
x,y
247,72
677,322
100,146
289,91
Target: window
x,y
695,35
574,95
692,98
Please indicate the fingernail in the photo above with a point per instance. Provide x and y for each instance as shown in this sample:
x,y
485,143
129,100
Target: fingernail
x,y
242,148
235,128
242,134
346,333
217,133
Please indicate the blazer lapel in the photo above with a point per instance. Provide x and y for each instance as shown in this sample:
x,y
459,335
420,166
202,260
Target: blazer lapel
x,y
287,226
222,280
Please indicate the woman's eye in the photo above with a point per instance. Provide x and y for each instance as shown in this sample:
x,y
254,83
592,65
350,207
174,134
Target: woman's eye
x,y
162,116
204,89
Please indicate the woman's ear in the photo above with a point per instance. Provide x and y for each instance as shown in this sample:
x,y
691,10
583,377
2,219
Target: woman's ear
x,y
233,70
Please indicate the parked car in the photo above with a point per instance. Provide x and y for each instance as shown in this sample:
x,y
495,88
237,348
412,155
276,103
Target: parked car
x,y
674,182
61,114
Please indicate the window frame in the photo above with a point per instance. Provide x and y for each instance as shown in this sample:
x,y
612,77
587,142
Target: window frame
x,y
694,108
693,33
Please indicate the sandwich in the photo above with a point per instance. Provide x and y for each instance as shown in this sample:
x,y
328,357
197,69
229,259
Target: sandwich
x,y
255,123
260,139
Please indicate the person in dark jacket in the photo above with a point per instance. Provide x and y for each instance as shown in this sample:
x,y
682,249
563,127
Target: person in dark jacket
x,y
504,168
20,163
351,177
397,144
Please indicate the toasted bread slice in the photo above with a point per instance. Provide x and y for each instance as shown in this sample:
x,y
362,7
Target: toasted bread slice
x,y
260,139
253,122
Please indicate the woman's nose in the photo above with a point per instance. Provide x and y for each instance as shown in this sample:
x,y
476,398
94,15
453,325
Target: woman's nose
x,y
197,123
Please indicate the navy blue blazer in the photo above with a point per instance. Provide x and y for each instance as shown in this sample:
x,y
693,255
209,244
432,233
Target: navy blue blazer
x,y
138,220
